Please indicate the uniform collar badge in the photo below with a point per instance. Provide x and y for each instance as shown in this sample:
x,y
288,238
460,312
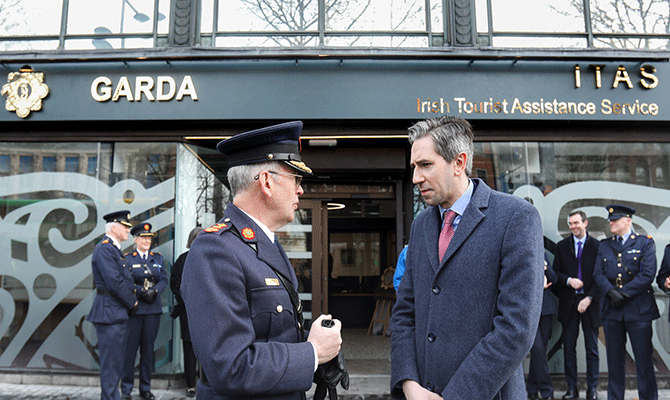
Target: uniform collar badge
x,y
248,233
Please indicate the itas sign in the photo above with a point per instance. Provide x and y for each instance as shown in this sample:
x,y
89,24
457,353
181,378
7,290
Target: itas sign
x,y
644,78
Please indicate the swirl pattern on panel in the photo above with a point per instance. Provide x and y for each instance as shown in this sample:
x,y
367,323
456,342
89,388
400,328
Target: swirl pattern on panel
x,y
50,224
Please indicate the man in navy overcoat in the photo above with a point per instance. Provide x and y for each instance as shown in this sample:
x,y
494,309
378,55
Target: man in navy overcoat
x,y
113,302
462,326
238,283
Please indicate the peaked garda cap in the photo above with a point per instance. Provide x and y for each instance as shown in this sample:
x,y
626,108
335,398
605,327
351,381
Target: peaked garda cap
x,y
273,143
122,217
617,211
143,229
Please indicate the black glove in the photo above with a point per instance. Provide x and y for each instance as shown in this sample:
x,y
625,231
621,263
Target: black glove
x,y
133,310
328,376
617,297
149,295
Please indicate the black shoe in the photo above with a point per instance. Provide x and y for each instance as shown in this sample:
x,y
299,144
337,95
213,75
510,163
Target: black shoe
x,y
190,392
126,396
571,394
147,396
532,396
591,395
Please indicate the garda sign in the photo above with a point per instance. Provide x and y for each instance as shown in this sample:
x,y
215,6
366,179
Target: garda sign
x,y
163,88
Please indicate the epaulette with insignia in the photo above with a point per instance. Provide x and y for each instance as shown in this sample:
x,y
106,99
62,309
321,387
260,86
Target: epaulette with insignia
x,y
125,254
215,228
648,236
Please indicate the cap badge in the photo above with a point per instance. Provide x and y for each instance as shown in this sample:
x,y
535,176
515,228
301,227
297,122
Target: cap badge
x,y
248,233
611,210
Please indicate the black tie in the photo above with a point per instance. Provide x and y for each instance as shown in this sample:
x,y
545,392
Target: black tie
x,y
144,257
620,240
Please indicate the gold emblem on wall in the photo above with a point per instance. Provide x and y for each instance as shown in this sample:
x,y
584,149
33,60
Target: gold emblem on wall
x,y
24,91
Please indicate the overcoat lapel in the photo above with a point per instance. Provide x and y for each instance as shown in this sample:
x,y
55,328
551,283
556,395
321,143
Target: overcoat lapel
x,y
432,231
472,217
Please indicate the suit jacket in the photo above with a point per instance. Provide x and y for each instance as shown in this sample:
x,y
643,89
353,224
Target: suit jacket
x,y
243,328
638,254
111,273
462,327
154,272
179,309
566,266
548,303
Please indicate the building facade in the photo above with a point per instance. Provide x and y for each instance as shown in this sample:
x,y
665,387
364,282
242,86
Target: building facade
x,y
97,121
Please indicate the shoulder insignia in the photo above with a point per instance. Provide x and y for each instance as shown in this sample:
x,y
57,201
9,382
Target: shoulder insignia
x,y
648,236
216,228
134,253
125,254
248,233
105,241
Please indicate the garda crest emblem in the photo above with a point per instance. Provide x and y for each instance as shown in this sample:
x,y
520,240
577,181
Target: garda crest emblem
x,y
24,91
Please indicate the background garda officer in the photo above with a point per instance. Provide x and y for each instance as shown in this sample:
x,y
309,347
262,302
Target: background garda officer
x,y
239,286
150,279
625,269
113,302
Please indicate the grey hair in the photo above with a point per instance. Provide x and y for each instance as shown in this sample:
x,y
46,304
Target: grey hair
x,y
241,177
192,235
451,136
108,226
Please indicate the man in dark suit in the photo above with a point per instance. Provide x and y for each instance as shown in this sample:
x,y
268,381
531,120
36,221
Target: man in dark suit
x,y
578,294
625,269
469,302
114,301
539,379
238,285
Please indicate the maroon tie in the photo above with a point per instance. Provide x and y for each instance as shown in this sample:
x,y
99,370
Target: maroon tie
x,y
447,233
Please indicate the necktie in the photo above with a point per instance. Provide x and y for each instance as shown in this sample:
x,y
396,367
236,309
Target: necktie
x,y
579,265
144,257
447,233
620,240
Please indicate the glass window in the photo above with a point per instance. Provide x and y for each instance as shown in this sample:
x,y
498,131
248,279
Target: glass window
x,y
71,164
92,166
26,164
55,221
49,164
4,164
554,16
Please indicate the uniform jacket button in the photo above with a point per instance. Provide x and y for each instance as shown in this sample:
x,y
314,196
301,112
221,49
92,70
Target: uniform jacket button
x,y
430,386
431,337
279,308
436,289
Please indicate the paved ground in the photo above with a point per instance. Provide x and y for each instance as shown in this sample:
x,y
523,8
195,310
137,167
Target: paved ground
x,y
54,392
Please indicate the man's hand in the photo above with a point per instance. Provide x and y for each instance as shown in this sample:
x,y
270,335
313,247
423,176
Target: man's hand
x,y
326,341
583,305
546,282
576,283
414,391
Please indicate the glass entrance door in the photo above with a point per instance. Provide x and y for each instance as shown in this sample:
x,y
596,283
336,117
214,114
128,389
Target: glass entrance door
x,y
305,243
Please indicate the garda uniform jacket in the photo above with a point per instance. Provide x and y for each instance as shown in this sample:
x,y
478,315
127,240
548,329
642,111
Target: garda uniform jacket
x,y
565,266
664,272
462,327
638,254
156,275
243,328
111,274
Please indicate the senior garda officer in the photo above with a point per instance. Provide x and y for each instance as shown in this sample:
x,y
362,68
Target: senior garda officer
x,y
239,286
150,280
624,271
114,301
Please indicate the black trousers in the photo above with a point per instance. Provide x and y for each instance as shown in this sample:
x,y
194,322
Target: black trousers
x,y
189,364
571,332
538,373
